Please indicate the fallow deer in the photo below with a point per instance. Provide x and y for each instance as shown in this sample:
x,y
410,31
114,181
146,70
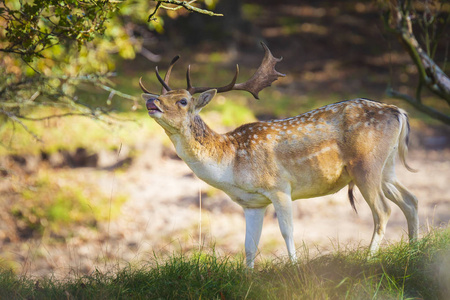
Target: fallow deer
x,y
353,142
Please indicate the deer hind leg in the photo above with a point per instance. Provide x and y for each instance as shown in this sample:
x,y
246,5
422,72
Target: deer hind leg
x,y
283,207
368,181
380,213
253,221
403,198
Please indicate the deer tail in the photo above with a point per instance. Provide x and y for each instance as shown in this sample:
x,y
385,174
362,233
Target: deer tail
x,y
404,139
351,197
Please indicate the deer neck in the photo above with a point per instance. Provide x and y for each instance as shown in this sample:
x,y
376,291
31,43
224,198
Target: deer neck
x,y
196,142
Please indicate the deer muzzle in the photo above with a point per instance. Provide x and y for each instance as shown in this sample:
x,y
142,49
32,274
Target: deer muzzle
x,y
152,107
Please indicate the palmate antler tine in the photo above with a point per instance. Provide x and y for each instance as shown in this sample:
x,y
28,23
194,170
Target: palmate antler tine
x,y
263,76
167,76
193,90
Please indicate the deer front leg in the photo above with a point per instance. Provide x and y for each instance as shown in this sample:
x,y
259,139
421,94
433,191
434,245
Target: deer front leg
x,y
253,221
283,207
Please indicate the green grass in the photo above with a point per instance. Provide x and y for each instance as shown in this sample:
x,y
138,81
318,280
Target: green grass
x,y
55,200
400,271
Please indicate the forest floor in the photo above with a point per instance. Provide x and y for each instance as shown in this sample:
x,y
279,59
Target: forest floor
x,y
162,216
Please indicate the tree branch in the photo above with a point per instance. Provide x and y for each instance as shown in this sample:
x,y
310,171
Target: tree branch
x,y
401,14
420,106
430,73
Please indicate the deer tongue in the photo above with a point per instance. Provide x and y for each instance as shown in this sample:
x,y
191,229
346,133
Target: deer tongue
x,y
151,105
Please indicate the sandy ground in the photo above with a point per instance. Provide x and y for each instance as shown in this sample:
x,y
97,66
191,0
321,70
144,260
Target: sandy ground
x,y
163,216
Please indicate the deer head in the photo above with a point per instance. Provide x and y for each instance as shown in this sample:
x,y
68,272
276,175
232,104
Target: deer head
x,y
173,108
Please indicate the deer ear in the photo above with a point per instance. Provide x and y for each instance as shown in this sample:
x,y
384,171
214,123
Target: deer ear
x,y
204,98
147,96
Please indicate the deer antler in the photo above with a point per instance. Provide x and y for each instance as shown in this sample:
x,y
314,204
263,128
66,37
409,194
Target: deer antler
x,y
165,82
264,75
143,87
262,78
193,90
165,87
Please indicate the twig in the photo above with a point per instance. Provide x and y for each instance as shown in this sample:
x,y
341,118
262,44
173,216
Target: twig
x,y
186,4
54,116
176,7
150,55
14,118
116,92
150,17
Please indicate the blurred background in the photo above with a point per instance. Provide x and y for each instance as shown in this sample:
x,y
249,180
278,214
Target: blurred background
x,y
88,180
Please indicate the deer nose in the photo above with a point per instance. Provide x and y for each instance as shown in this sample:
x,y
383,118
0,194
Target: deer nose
x,y
150,103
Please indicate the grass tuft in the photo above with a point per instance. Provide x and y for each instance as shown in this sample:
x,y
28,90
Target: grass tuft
x,y
401,271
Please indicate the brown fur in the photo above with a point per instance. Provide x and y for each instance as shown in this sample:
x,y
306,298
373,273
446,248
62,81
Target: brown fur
x,y
316,153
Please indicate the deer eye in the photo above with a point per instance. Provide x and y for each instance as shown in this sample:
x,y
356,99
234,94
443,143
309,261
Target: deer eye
x,y
183,102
